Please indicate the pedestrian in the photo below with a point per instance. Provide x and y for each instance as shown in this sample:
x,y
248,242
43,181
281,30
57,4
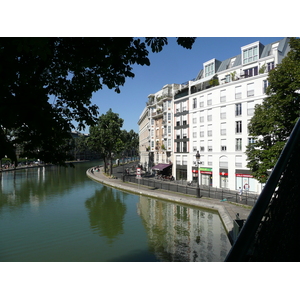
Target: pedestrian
x,y
240,193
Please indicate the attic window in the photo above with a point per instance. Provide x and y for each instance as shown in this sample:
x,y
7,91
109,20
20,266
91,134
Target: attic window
x,y
209,69
250,55
232,62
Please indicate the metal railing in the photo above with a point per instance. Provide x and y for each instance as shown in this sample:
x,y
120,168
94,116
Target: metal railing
x,y
271,232
184,187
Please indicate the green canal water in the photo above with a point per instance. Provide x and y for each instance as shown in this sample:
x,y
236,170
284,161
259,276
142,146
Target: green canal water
x,y
57,214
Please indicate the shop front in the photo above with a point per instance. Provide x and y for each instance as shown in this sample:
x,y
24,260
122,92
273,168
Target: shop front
x,y
224,178
206,176
246,182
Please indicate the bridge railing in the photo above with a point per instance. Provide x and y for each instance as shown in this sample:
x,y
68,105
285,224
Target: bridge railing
x,y
271,232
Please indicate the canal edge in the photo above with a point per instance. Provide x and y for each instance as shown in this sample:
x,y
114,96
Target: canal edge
x,y
209,204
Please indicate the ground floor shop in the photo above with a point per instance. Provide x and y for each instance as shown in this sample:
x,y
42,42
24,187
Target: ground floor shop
x,y
223,178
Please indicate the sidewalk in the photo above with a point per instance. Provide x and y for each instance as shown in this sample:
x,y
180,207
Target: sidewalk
x,y
227,210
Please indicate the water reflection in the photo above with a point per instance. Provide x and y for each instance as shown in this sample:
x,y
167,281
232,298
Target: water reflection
x,y
106,213
180,233
35,185
58,214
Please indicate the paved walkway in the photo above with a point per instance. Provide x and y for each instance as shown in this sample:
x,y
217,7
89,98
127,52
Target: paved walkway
x,y
227,210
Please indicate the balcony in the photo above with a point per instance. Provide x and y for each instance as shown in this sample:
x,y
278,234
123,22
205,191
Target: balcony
x,y
158,114
181,93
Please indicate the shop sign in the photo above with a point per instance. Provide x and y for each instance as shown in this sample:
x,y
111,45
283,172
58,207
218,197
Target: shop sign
x,y
244,175
223,174
206,171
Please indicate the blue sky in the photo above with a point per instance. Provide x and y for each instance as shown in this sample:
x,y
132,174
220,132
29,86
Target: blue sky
x,y
174,64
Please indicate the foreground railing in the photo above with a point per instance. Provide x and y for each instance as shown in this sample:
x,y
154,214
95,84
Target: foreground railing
x,y
271,232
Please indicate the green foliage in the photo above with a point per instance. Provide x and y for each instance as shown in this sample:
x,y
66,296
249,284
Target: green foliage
x,y
47,83
105,136
274,119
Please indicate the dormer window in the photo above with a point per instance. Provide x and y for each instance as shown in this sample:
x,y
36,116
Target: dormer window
x,y
209,69
250,54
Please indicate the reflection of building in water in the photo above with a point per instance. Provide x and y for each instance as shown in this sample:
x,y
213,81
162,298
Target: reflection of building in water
x,y
180,233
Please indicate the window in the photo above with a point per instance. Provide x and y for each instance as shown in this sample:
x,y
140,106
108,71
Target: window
x,y
223,112
250,89
184,107
209,130
194,146
184,159
169,143
194,134
238,161
169,129
152,132
209,115
184,147
202,131
238,92
184,133
238,144
194,120
177,121
223,128
184,120
223,96
177,147
201,102
209,145
238,127
201,116
209,69
227,78
251,72
209,160
250,108
177,107
169,116
201,145
265,85
238,109
250,55
223,145
270,66
209,99
178,159
251,140
152,144
195,103
178,134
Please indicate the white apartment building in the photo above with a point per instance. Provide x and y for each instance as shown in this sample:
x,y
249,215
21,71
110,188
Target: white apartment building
x,y
210,114
159,146
221,103
144,138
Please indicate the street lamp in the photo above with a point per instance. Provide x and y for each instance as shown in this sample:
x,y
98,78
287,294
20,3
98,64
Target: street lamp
x,y
198,164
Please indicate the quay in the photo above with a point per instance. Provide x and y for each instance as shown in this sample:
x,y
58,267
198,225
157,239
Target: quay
x,y
227,210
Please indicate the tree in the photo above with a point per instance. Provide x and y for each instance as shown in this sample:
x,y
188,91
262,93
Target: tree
x,y
105,137
130,142
274,119
47,83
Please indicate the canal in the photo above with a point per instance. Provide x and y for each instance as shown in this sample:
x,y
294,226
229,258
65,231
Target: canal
x,y
56,214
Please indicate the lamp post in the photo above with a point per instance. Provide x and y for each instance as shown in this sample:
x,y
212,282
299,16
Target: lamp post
x,y
198,164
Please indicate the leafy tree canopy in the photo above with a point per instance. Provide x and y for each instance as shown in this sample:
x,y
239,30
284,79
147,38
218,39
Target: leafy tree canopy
x,y
47,83
106,136
274,119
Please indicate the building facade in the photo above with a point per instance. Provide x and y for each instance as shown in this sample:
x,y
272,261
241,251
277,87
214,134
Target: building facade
x,y
212,112
159,109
